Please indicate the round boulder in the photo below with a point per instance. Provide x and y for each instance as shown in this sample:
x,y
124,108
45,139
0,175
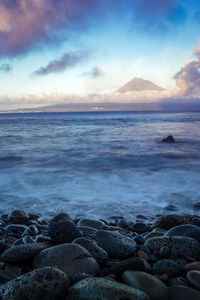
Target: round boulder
x,y
185,230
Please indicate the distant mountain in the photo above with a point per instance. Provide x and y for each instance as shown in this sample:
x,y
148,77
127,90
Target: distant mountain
x,y
139,84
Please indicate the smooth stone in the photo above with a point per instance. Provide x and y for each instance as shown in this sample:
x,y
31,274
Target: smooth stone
x,y
41,284
18,242
139,239
132,263
5,276
91,246
140,227
91,223
165,252
42,238
28,239
21,253
62,230
3,246
192,266
185,230
172,220
179,246
167,266
116,244
18,217
86,230
194,278
31,230
69,258
78,277
16,228
182,292
178,281
13,270
146,283
103,289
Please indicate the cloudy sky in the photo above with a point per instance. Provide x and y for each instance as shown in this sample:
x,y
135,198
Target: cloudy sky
x,y
81,51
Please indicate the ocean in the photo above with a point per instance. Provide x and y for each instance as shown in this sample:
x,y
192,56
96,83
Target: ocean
x,y
100,164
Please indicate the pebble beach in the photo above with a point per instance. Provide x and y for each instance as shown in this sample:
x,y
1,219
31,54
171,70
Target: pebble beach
x,y
61,258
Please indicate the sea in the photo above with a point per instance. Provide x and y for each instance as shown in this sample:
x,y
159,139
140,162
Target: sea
x,y
100,164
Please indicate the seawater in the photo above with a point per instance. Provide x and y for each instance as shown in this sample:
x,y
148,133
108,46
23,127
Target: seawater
x,y
99,164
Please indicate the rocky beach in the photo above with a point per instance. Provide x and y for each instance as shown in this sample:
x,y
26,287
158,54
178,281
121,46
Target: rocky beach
x,y
61,258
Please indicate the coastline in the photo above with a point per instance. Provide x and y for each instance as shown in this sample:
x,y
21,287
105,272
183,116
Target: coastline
x,y
62,258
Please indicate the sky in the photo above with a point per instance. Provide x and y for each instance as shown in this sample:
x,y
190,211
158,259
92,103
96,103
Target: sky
x,y
78,52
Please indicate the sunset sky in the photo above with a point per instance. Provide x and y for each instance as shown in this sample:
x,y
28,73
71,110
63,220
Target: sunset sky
x,y
66,51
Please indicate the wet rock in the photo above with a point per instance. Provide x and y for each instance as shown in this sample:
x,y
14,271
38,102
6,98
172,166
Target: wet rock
x,y
132,263
139,239
165,252
21,253
169,267
18,242
143,255
69,258
194,278
85,231
172,220
18,217
153,234
31,230
16,228
78,277
140,227
169,139
43,284
42,238
62,230
146,283
185,230
91,246
116,244
3,246
182,292
192,266
28,240
179,246
91,223
15,271
104,289
178,281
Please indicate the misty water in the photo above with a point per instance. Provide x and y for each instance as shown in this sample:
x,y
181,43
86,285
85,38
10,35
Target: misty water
x,y
99,164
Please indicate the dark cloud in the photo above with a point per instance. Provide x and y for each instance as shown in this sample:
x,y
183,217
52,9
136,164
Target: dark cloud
x,y
7,68
29,24
60,65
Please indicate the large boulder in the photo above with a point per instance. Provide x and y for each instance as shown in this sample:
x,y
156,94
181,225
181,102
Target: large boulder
x,y
103,289
69,258
188,230
172,220
43,284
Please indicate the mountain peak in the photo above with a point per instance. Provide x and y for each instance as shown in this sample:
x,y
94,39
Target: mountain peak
x,y
139,84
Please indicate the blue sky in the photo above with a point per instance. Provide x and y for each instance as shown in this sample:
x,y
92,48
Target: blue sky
x,y
67,47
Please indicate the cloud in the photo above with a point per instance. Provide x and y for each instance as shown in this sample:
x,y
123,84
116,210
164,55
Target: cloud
x,y
29,24
188,78
6,68
67,61
96,72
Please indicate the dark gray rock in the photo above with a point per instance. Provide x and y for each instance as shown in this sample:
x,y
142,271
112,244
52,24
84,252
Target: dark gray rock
x,y
91,223
18,217
185,230
31,230
85,231
5,276
182,292
169,139
194,278
41,284
16,228
139,239
178,281
3,246
69,258
91,246
116,244
62,230
172,220
104,289
140,227
179,246
42,238
28,239
21,253
146,283
169,267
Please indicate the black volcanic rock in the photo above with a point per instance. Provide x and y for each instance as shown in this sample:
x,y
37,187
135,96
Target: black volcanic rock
x,y
169,139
